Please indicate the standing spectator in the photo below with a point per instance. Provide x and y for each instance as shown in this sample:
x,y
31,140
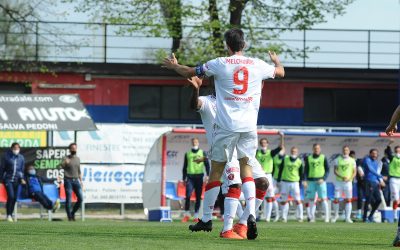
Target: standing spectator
x,y
12,173
345,171
265,157
316,171
72,181
373,180
194,166
360,184
278,159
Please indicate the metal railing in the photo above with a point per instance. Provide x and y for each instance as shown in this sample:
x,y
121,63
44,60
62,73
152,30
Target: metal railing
x,y
105,43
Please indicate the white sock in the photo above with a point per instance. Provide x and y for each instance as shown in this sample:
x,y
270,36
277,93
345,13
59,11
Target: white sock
x,y
258,204
239,210
326,209
231,205
336,209
267,210
249,191
285,211
348,208
300,211
196,215
276,208
210,196
313,206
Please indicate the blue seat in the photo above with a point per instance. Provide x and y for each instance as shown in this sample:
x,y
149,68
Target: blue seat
x,y
51,191
170,191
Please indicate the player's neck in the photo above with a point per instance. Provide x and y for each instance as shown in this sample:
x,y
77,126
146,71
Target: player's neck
x,y
237,53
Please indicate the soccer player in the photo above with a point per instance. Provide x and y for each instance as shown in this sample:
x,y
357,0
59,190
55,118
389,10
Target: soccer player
x,y
277,163
373,181
345,171
390,130
195,165
265,157
206,106
238,81
394,177
316,171
290,176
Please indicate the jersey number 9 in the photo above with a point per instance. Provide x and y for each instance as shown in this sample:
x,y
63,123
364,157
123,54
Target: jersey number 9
x,y
244,82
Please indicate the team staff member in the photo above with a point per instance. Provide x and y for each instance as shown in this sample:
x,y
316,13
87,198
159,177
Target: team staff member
x,y
291,174
72,181
194,164
265,157
373,180
385,175
394,177
316,171
345,171
12,173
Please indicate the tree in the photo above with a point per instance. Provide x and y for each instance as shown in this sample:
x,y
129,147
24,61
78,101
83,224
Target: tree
x,y
196,27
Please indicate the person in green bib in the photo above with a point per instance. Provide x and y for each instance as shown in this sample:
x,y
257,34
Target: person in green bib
x,y
345,171
394,177
194,167
316,172
277,164
290,176
265,157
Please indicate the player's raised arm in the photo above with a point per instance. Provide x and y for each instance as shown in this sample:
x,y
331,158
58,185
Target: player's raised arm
x,y
392,127
195,102
279,69
172,63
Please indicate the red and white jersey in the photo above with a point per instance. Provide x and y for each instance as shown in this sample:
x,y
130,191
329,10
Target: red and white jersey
x,y
208,112
238,81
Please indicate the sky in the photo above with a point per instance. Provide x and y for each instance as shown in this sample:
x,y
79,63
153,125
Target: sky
x,y
362,14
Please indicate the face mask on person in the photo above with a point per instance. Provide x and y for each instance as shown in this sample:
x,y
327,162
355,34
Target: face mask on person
x,y
264,149
398,155
73,152
32,171
293,156
195,147
15,151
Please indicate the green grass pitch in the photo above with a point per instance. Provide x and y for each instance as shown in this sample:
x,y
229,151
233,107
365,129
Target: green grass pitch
x,y
117,235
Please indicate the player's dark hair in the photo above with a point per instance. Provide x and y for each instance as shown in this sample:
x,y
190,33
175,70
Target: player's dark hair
x,y
352,152
345,146
264,139
15,144
195,138
395,148
234,38
372,150
72,144
315,144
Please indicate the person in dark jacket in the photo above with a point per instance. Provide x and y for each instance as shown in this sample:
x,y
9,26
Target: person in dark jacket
x,y
34,187
12,174
373,182
360,184
385,175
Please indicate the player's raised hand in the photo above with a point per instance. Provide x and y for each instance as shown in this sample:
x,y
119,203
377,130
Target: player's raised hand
x,y
274,57
391,129
281,134
170,62
195,81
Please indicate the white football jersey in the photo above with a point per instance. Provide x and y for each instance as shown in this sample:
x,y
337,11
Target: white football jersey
x,y
207,112
238,82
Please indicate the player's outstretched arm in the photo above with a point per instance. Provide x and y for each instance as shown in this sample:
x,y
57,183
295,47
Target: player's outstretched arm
x,y
196,83
392,127
279,69
172,63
